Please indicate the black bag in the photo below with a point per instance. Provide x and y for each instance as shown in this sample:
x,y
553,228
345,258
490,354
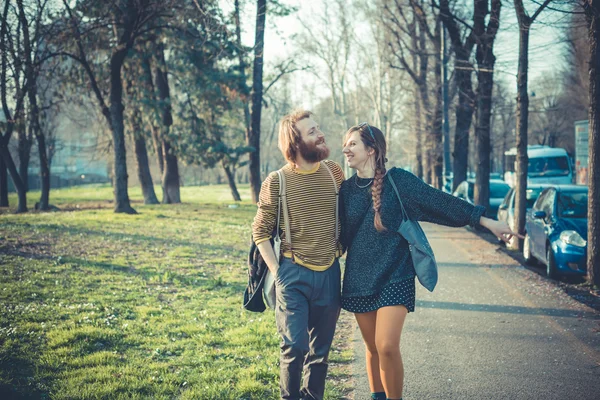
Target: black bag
x,y
253,294
257,267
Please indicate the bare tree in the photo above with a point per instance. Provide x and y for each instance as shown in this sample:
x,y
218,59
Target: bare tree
x,y
415,38
550,122
525,22
485,35
331,43
463,71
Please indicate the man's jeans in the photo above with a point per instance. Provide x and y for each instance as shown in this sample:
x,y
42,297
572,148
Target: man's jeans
x,y
308,306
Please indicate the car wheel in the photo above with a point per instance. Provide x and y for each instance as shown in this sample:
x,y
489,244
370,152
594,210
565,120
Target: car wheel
x,y
527,251
551,270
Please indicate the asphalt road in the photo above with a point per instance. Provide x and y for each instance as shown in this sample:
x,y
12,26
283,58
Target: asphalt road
x,y
492,330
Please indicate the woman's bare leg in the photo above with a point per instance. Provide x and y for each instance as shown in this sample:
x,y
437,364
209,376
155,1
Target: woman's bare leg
x,y
367,323
389,324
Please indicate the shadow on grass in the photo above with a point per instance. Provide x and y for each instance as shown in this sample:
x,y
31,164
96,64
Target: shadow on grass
x,y
21,376
126,237
211,282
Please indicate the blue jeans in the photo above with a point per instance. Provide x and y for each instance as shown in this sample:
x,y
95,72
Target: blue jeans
x,y
308,306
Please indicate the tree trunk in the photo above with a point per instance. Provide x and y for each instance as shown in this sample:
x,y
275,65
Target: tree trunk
x,y
437,149
522,127
24,149
253,137
593,245
3,184
12,169
485,62
482,175
158,148
122,204
143,169
429,127
466,97
464,118
243,84
522,114
34,117
231,180
44,173
419,137
170,178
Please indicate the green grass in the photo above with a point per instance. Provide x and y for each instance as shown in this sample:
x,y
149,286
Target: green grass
x,y
102,305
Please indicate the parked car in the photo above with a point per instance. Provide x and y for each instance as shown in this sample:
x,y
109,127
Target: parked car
x,y
556,230
498,190
506,211
447,185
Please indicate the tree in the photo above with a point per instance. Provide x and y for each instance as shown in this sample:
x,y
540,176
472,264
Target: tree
x,y
135,96
32,73
170,177
252,113
485,36
525,22
413,34
207,129
119,24
592,11
463,71
12,118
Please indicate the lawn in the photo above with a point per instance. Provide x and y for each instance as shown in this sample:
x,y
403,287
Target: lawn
x,y
103,305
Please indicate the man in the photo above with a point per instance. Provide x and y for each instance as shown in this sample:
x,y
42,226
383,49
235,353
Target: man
x,y
308,274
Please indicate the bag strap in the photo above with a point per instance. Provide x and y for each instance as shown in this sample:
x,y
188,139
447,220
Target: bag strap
x,y
337,201
280,174
404,214
283,197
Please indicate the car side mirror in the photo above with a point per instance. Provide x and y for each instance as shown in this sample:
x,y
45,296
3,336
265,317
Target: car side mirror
x,y
539,214
504,207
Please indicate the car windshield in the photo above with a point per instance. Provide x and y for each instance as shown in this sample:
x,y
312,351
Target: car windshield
x,y
532,195
572,205
498,190
548,166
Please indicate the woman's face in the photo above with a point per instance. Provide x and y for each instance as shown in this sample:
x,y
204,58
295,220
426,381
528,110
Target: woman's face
x,y
358,156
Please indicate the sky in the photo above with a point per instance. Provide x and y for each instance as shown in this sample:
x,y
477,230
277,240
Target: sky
x,y
546,41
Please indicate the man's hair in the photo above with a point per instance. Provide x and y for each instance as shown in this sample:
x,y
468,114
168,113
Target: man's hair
x,y
289,135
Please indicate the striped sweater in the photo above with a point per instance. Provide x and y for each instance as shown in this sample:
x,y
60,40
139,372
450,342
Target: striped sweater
x,y
311,201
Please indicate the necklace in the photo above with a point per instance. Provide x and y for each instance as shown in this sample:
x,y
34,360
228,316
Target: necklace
x,y
364,186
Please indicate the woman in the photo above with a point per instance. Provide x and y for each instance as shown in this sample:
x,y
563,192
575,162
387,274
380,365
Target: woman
x,y
379,279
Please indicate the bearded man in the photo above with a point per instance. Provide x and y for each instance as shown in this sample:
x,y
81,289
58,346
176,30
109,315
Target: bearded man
x,y
308,273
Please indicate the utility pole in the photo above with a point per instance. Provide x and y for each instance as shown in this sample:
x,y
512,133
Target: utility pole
x,y
446,124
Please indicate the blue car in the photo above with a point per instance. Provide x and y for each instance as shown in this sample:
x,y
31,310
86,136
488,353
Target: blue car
x,y
556,230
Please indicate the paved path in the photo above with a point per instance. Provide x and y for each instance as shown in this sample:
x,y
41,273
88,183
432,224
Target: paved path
x,y
493,330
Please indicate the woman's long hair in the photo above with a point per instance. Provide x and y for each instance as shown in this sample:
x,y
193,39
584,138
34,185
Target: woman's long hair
x,y
376,141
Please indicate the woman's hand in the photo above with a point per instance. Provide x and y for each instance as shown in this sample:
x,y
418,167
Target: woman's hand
x,y
500,229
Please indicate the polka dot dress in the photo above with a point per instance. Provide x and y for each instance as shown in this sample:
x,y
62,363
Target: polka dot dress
x,y
398,293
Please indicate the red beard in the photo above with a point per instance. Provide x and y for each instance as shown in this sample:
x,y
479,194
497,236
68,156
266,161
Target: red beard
x,y
311,153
